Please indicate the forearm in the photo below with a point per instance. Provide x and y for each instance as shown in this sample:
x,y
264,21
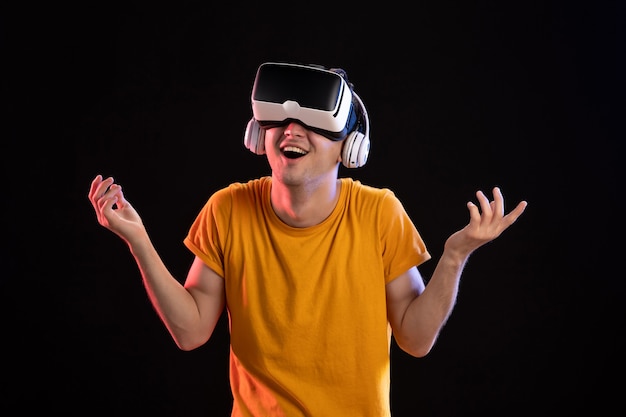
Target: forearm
x,y
173,303
178,305
427,313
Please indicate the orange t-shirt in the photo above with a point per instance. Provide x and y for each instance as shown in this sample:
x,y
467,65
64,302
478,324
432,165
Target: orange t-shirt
x,y
308,321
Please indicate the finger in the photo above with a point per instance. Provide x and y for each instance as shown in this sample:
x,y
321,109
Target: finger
x,y
103,188
95,194
474,212
516,212
109,198
121,200
484,203
498,201
94,185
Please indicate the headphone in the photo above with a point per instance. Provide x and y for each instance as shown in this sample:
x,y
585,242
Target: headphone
x,y
355,149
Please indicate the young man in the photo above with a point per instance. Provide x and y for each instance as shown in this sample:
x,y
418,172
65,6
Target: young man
x,y
317,272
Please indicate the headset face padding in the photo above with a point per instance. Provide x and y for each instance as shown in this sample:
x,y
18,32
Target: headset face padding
x,y
254,138
355,150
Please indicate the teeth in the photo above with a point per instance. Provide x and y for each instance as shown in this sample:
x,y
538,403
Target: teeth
x,y
294,149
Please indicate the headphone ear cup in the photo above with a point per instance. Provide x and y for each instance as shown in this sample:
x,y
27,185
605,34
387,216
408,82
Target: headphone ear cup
x,y
355,150
254,138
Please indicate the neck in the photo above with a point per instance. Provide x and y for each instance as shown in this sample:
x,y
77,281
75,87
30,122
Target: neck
x,y
304,205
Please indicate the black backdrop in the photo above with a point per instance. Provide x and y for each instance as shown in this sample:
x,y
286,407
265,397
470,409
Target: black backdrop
x,y
527,96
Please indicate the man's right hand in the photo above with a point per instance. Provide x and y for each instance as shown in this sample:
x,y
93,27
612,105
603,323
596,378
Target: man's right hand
x,y
112,210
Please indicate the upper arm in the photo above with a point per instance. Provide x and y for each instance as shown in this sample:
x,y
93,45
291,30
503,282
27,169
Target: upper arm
x,y
400,292
207,289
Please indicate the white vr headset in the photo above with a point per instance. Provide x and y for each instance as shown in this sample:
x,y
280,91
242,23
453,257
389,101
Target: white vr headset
x,y
318,98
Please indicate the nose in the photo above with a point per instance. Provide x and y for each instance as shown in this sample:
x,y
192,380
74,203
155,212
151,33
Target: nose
x,y
294,129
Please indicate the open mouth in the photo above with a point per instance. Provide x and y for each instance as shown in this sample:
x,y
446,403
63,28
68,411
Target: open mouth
x,y
293,152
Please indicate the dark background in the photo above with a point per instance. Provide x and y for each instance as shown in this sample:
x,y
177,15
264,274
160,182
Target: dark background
x,y
528,95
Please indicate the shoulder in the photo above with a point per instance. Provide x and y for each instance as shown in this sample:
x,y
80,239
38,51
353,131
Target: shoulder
x,y
237,190
371,199
237,195
358,190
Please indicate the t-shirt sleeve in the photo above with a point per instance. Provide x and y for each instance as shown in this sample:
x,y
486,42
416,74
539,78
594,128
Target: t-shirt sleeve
x,y
207,233
402,244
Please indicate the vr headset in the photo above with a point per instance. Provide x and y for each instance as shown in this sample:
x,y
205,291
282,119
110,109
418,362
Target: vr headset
x,y
318,98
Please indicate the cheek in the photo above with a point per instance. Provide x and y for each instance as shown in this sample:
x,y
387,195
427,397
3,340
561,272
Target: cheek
x,y
332,149
271,136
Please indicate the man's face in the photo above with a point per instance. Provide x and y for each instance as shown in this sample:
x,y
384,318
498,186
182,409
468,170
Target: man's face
x,y
299,156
